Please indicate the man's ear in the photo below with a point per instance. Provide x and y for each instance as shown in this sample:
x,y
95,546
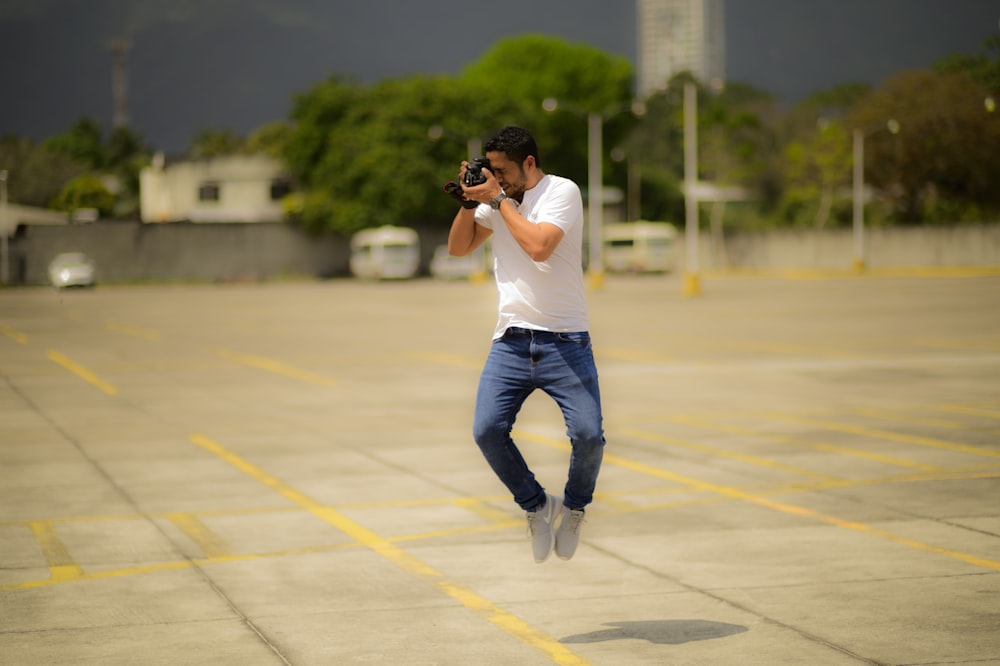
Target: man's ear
x,y
529,163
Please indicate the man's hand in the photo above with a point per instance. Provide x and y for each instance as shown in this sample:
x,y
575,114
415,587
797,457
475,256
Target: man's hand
x,y
484,192
454,190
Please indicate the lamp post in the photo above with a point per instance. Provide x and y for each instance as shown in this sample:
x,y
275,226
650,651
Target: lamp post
x,y
692,283
595,197
4,250
892,126
632,207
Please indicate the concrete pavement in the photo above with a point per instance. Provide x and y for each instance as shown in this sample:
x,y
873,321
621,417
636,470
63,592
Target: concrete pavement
x,y
798,471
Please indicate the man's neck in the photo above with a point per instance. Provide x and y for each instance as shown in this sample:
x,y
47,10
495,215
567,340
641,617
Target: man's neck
x,y
538,179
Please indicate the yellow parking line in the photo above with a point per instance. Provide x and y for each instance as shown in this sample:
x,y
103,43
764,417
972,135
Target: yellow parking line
x,y
960,409
723,453
210,543
57,557
904,417
783,507
479,529
67,572
174,566
83,373
796,441
15,335
481,509
277,367
505,620
889,435
135,331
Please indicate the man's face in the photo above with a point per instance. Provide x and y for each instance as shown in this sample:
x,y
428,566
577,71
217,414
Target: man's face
x,y
508,173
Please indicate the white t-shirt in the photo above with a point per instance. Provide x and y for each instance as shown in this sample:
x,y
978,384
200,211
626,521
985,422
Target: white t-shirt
x,y
544,295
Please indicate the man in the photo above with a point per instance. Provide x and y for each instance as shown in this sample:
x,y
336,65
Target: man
x,y
541,339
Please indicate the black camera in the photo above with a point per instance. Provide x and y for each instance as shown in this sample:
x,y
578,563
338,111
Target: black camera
x,y
474,172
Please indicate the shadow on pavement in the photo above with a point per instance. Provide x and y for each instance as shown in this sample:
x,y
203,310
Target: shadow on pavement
x,y
662,632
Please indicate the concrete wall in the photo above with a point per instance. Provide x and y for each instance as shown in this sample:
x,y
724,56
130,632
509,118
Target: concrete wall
x,y
132,251
891,247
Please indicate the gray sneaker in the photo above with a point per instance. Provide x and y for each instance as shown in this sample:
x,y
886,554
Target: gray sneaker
x,y
568,534
540,526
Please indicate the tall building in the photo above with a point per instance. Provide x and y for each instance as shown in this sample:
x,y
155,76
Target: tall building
x,y
680,35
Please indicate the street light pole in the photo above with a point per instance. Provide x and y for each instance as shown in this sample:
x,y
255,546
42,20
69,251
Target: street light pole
x,y
692,285
859,204
4,250
892,125
595,199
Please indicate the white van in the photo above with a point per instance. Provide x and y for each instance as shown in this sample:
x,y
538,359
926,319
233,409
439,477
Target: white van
x,y
386,252
641,247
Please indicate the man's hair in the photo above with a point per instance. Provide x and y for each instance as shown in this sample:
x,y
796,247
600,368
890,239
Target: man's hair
x,y
516,142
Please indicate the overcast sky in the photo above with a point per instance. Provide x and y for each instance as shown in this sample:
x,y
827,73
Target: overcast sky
x,y
235,64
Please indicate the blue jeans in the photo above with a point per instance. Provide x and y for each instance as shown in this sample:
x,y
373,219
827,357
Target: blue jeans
x,y
561,365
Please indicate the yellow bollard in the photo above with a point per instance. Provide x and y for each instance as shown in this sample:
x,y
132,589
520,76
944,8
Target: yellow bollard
x,y
692,285
596,280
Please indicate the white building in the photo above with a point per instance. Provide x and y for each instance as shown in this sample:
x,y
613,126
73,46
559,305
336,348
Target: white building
x,y
680,35
237,188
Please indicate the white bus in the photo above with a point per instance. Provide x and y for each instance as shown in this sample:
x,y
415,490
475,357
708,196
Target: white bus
x,y
640,247
386,252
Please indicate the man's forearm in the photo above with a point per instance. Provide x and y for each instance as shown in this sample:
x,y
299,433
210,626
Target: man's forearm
x,y
462,236
537,240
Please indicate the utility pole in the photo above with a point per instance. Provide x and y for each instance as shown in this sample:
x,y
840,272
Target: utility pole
x,y
692,284
4,249
119,89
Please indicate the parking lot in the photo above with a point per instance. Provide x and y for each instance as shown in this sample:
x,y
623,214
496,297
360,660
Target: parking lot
x,y
799,470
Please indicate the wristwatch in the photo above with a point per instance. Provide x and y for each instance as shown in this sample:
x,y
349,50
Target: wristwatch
x,y
495,201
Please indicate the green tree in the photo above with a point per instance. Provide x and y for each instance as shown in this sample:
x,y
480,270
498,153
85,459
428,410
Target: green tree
x,y
36,174
815,169
209,143
984,68
126,155
943,164
271,140
736,137
658,145
738,133
816,160
315,114
364,156
42,175
86,191
583,79
83,144
800,122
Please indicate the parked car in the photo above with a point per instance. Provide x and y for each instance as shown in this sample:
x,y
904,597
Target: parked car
x,y
72,269
641,247
387,252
